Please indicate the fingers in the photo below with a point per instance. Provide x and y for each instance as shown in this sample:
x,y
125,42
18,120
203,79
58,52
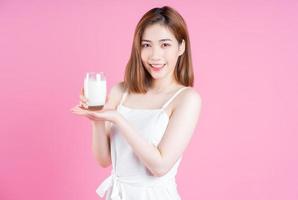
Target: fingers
x,y
81,111
83,99
78,110
83,102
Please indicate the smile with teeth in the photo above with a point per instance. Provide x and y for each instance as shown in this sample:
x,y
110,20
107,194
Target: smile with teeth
x,y
157,67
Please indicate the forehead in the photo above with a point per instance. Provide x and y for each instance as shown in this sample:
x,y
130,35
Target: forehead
x,y
157,32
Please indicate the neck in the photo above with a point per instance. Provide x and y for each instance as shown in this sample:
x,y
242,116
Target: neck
x,y
163,85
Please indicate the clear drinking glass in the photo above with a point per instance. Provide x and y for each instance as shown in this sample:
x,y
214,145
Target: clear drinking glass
x,y
95,90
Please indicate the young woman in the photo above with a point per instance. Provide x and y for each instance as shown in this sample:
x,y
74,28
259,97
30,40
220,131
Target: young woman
x,y
150,117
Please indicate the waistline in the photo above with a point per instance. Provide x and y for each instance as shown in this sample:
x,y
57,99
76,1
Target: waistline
x,y
117,183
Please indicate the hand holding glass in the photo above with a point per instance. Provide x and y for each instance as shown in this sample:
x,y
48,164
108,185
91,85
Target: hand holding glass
x,y
95,89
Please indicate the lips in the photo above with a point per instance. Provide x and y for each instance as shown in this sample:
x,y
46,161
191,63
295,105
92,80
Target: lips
x,y
157,66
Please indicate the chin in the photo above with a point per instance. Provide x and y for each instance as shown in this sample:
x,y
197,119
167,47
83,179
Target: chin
x,y
157,76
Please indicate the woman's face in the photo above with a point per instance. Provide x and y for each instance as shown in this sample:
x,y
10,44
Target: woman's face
x,y
160,51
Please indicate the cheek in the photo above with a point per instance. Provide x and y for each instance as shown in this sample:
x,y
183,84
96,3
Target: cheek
x,y
144,58
144,55
171,56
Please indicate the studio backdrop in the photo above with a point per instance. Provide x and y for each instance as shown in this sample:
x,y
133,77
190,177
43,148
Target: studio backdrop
x,y
246,71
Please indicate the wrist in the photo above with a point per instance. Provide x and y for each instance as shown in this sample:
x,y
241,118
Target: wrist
x,y
97,123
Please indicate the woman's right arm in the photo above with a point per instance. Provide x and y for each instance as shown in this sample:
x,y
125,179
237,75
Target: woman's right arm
x,y
101,130
101,142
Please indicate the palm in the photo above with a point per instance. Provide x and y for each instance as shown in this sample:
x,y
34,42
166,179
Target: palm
x,y
101,115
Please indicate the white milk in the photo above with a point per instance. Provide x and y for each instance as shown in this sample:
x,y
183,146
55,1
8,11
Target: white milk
x,y
95,89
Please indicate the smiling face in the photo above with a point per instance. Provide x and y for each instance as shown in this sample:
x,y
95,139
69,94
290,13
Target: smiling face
x,y
160,51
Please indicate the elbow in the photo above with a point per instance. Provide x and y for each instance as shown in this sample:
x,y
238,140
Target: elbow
x,y
160,168
160,171
104,164
158,174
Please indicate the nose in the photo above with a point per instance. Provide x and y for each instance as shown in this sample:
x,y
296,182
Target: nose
x,y
156,53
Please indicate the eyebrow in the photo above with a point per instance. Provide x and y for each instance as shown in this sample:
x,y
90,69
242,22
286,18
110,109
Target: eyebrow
x,y
162,40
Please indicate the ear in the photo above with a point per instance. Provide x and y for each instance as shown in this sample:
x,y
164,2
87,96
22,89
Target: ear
x,y
181,48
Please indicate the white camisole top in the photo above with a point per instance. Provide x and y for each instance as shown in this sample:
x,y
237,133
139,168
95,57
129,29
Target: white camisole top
x,y
130,179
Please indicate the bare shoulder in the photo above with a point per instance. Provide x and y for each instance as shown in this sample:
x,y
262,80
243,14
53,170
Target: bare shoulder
x,y
117,89
190,97
115,94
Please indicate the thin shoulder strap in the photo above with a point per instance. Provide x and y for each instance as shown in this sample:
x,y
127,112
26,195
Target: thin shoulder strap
x,y
173,97
123,97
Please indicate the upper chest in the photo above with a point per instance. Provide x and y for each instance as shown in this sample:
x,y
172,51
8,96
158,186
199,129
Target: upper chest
x,y
149,102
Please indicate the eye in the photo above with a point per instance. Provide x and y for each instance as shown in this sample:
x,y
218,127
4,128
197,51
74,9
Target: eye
x,y
145,45
166,45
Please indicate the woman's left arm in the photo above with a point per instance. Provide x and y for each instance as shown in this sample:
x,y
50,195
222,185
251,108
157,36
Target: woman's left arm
x,y
159,160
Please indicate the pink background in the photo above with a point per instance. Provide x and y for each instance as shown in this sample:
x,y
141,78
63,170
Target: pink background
x,y
245,61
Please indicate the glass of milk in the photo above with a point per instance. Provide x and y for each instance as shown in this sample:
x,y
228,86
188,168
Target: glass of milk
x,y
95,90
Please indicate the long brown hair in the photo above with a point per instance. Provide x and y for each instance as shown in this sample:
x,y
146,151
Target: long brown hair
x,y
136,78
